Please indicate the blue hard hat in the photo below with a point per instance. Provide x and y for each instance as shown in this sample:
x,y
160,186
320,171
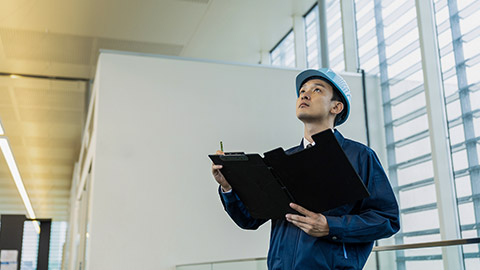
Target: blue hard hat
x,y
338,83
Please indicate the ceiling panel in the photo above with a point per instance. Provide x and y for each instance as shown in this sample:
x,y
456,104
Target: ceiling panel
x,y
57,98
43,121
46,46
5,100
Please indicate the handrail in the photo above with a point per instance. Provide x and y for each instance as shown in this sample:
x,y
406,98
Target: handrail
x,y
443,243
225,261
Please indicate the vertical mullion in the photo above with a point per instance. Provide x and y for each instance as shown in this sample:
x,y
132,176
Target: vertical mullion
x,y
437,121
468,127
349,35
387,111
299,42
324,61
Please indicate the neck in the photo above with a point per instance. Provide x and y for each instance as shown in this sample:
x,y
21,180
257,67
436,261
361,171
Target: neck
x,y
314,128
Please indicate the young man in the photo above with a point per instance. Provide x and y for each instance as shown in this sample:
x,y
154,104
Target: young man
x,y
341,238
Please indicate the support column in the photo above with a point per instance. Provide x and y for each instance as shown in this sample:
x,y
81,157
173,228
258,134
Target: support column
x,y
324,60
300,42
464,93
350,52
44,244
11,234
441,156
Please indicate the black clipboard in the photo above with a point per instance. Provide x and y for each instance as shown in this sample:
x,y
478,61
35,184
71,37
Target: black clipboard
x,y
318,178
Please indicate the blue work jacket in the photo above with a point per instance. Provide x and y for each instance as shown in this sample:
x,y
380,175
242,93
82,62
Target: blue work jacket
x,y
353,227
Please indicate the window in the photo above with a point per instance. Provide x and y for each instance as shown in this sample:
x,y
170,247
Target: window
x,y
335,36
388,45
284,52
30,246
312,39
458,30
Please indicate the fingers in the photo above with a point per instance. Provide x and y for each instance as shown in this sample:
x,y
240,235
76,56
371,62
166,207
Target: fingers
x,y
302,210
298,219
303,226
217,167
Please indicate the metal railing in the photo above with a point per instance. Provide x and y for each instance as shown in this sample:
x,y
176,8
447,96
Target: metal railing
x,y
444,243
258,263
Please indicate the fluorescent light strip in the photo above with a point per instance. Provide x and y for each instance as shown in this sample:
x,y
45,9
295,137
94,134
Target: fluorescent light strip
x,y
12,165
1,128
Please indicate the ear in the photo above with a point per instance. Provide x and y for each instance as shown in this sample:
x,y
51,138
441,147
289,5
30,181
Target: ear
x,y
337,109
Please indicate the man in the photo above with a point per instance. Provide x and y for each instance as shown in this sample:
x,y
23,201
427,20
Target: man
x,y
341,238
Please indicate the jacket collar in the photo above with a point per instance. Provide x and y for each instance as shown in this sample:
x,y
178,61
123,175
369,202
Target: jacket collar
x,y
339,137
337,134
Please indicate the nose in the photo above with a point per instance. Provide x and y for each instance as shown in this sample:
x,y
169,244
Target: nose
x,y
304,96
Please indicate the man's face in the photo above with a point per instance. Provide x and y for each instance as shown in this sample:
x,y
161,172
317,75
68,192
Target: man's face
x,y
314,103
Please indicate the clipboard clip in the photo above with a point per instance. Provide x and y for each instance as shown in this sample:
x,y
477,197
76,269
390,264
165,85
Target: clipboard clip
x,y
234,156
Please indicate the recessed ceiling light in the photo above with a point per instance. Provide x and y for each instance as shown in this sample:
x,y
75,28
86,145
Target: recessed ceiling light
x,y
12,165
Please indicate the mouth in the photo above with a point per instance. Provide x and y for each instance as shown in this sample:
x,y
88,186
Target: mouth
x,y
303,105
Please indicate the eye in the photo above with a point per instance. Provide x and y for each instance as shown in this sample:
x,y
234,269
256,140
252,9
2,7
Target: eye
x,y
301,91
317,89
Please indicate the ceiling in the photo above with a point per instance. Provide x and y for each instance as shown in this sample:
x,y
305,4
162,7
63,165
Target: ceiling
x,y
44,118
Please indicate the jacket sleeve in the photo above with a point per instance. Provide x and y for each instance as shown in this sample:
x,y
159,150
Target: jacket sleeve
x,y
238,212
378,215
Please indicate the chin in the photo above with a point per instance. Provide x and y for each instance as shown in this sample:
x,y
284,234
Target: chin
x,y
304,117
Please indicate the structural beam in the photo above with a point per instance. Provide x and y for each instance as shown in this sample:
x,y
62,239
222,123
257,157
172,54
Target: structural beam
x,y
436,113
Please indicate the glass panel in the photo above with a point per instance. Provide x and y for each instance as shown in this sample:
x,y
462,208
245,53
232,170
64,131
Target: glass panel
x,y
464,25
410,128
460,160
311,35
463,186
412,150
466,213
476,126
424,220
470,248
473,71
415,173
448,62
408,106
425,264
456,134
472,263
475,100
57,240
423,251
450,85
284,53
29,247
454,110
395,69
418,196
398,87
335,35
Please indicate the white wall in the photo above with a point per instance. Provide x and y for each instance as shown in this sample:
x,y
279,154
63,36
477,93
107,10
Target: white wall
x,y
154,202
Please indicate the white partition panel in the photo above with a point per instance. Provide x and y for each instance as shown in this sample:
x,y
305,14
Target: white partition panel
x,y
154,202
